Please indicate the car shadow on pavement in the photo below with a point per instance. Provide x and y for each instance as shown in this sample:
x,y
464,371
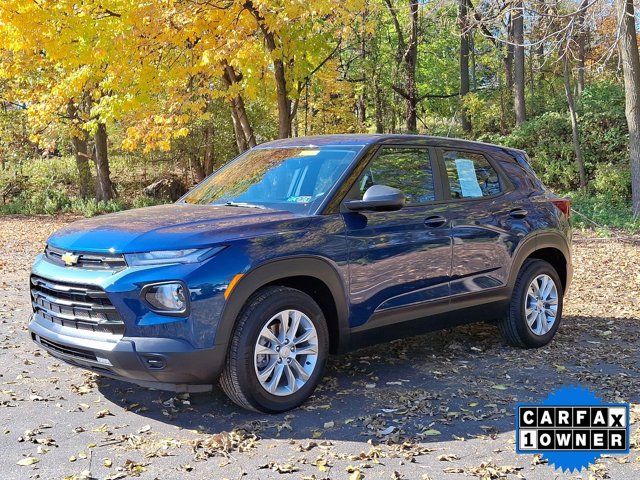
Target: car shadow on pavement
x,y
463,382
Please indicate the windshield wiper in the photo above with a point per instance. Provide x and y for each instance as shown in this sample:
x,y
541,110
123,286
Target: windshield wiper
x,y
244,204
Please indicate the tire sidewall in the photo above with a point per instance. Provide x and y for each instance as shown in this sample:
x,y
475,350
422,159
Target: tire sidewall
x,y
257,318
531,271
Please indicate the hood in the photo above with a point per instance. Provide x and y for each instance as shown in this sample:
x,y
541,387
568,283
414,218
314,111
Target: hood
x,y
171,227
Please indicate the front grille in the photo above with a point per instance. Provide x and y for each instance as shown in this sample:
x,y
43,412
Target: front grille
x,y
92,261
78,306
64,349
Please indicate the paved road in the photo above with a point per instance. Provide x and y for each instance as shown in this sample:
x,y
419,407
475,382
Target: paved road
x,y
435,406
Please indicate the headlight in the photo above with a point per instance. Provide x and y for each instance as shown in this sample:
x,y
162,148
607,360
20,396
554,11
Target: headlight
x,y
166,257
169,297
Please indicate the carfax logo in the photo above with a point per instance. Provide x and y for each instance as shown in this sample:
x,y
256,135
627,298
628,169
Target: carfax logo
x,y
572,427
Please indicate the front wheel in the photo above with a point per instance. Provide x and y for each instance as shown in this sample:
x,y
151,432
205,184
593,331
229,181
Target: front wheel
x,y
535,310
278,351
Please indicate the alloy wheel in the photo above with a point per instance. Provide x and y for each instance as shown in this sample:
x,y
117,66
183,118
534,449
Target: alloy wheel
x,y
541,304
286,352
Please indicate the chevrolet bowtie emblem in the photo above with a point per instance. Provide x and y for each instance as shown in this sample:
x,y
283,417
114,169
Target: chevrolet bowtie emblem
x,y
69,258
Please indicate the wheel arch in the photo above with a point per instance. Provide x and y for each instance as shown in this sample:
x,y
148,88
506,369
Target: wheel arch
x,y
316,276
549,246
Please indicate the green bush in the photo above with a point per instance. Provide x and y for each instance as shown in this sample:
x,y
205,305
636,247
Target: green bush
x,y
603,140
612,182
547,140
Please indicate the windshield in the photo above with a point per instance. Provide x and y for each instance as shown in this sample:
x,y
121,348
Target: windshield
x,y
292,179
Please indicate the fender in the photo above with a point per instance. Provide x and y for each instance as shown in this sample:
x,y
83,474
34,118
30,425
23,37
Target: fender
x,y
549,239
282,268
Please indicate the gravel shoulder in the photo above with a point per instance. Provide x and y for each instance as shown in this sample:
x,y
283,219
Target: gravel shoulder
x,y
434,406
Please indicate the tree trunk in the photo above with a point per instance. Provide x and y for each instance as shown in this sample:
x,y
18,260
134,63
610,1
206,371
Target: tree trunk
x,y
361,110
245,138
361,106
575,130
80,145
582,45
631,70
464,63
284,104
508,58
519,67
198,166
207,161
81,152
411,61
406,61
379,111
282,94
532,78
104,187
241,142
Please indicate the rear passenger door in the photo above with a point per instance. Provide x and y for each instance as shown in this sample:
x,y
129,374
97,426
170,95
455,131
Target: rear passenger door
x,y
487,220
401,259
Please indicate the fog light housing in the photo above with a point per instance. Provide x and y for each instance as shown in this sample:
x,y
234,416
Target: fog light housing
x,y
170,297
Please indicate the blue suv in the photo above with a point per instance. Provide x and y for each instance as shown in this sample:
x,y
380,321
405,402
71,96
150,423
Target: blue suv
x,y
300,248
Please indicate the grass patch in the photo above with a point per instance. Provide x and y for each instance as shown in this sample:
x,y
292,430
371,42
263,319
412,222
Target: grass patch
x,y
50,202
603,214
48,186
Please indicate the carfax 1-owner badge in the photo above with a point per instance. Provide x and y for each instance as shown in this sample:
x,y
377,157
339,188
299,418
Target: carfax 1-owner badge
x,y
572,427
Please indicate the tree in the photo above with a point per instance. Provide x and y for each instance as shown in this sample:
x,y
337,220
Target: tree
x,y
465,36
518,63
54,84
80,145
575,129
245,137
582,44
628,46
407,60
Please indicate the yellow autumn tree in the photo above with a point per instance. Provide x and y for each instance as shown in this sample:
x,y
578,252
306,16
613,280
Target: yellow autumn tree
x,y
156,66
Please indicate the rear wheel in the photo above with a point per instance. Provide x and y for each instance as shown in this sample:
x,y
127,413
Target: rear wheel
x,y
278,351
535,310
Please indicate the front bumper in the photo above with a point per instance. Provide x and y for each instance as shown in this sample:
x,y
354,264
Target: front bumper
x,y
161,363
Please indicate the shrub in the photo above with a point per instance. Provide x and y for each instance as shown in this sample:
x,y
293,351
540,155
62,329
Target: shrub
x,y
547,140
613,182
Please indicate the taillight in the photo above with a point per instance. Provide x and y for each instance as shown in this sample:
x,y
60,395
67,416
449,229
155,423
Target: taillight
x,y
564,205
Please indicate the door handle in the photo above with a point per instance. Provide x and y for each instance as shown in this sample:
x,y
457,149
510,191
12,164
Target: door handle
x,y
518,213
435,221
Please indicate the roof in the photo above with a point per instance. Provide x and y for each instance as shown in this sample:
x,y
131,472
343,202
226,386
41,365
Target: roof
x,y
320,140
360,139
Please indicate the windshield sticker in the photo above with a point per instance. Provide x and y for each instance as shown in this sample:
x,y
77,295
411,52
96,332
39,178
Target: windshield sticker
x,y
308,153
300,199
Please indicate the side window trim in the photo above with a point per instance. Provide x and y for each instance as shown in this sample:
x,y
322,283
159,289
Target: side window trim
x,y
505,185
436,172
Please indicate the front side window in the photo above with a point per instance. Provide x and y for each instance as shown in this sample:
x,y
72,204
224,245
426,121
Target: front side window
x,y
470,175
407,169
291,179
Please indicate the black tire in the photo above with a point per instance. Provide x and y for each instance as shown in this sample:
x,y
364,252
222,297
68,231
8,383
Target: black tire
x,y
239,380
513,326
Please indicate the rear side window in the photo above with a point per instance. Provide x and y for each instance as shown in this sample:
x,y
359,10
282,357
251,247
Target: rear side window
x,y
407,169
470,175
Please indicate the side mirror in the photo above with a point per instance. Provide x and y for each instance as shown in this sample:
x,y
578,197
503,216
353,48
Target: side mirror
x,y
380,198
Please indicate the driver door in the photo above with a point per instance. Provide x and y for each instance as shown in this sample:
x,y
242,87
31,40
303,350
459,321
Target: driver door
x,y
398,260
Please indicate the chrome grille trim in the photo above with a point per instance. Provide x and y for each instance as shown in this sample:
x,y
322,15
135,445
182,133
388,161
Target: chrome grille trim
x,y
78,306
91,261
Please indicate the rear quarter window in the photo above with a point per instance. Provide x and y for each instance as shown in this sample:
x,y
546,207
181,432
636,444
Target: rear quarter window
x,y
470,175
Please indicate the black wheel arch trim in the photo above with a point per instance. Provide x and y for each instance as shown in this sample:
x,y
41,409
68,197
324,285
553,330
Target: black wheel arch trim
x,y
539,241
280,269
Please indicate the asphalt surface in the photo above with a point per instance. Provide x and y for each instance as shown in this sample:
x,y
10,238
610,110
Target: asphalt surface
x,y
436,406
